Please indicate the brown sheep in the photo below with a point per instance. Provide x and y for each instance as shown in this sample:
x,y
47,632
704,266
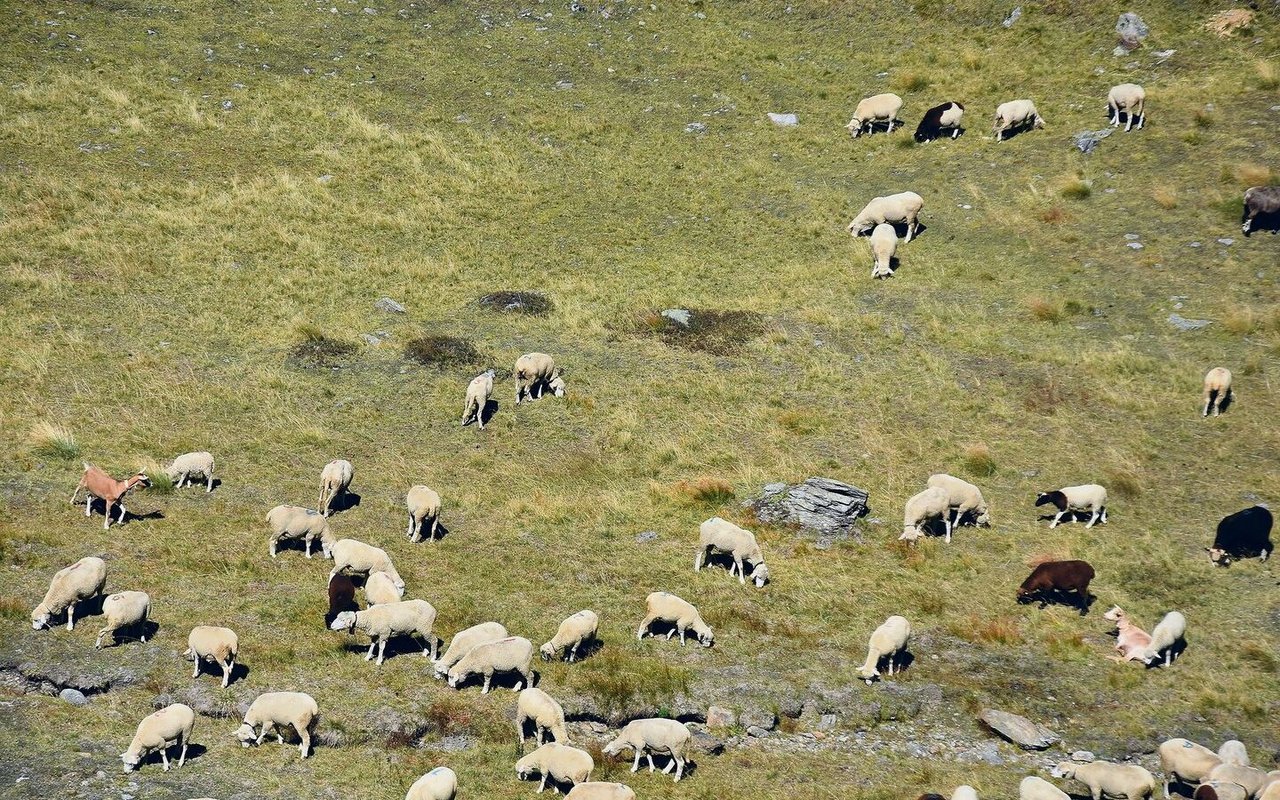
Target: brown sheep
x,y
1058,577
342,597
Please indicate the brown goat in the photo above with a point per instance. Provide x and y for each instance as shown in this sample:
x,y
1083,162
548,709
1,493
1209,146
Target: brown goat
x,y
1058,577
97,483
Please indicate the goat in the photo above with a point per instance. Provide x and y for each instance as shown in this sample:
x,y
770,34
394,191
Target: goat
x,y
97,483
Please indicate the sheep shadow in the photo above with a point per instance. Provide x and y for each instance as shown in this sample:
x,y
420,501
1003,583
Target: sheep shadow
x,y
239,671
501,680
1070,516
345,501
588,648
880,126
442,531
659,629
100,507
200,484
396,646
1226,402
660,762
921,138
903,660
1011,133
131,634
174,751
1071,599
900,230
300,545
1175,652
1263,222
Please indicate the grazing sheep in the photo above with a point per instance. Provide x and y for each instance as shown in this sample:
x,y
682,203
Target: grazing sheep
x,y
1130,98
423,505
666,607
217,645
870,110
884,243
342,597
296,522
1089,497
572,633
964,792
511,654
1220,790
1164,637
1114,780
1259,200
717,535
964,497
1184,761
1217,390
535,373
335,479
440,783
1271,790
1054,577
557,763
540,707
901,207
356,557
1035,788
933,503
170,724
1244,533
464,641
278,711
1015,114
479,390
70,585
412,618
1234,753
600,790
887,642
380,589
942,117
1131,641
99,484
1251,779
185,466
654,735
124,610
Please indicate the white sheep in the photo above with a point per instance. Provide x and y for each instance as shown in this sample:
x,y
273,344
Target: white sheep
x,y
1184,761
296,522
870,110
124,610
335,479
189,465
654,735
557,763
423,505
901,207
600,790
479,390
1217,388
573,632
156,731
1016,113
1251,779
718,535
1130,98
545,713
962,496
440,783
1220,790
884,243
412,618
964,792
463,641
533,372
666,607
1271,789
933,503
1036,788
217,645
1164,637
356,557
70,585
380,589
278,711
1114,780
887,641
1089,497
512,654
1233,752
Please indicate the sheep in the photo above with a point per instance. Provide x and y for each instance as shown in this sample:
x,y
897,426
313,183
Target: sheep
x,y
884,243
335,479
874,109
296,522
99,484
1131,640
887,642
278,711
1016,113
412,618
189,464
440,783
540,707
463,641
1259,200
1035,788
667,607
124,610
423,505
1130,98
214,644
511,654
1217,390
964,792
170,724
1053,577
600,790
1271,789
380,589
717,535
933,503
1164,638
1114,780
1251,779
536,372
1234,753
479,390
1184,761
342,597
1220,790
356,557
940,117
572,633
1089,497
653,735
557,763
964,497
1243,533
70,585
900,207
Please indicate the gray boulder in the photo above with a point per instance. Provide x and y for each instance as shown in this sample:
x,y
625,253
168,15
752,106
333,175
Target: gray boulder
x,y
819,504
1132,30
1019,730
74,697
388,305
1086,141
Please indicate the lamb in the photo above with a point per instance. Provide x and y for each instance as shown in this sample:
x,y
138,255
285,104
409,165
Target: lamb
x,y
191,464
512,654
1014,114
887,642
423,505
478,393
557,763
356,557
540,707
1184,761
1234,753
933,503
440,783
1114,780
1259,201
717,535
1217,390
1130,98
940,117
335,479
666,607
170,724
653,735
278,711
296,522
124,610
874,109
464,641
380,589
217,645
70,585
1251,779
572,633
1034,788
342,597
536,372
1089,497
99,484
1058,577
1243,533
599,790
1131,641
964,792
892,208
884,243
412,618
964,497
1164,637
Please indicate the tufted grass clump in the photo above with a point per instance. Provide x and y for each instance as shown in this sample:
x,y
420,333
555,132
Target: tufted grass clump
x,y
443,352
50,440
317,350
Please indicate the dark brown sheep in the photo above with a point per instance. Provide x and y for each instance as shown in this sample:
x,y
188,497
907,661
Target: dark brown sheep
x,y
1260,201
342,597
1054,578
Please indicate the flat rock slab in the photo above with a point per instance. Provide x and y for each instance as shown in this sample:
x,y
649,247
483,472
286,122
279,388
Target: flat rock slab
x,y
818,504
1019,730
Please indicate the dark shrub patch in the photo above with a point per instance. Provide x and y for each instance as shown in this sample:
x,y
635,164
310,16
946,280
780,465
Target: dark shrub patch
x,y
531,303
718,332
442,352
319,351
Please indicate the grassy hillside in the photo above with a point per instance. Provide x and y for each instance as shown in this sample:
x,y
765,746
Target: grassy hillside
x,y
200,206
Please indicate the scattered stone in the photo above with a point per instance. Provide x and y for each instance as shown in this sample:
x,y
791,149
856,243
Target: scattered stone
x,y
721,717
646,537
1132,236
389,305
325,179
227,105
1193,244
73,696
562,85
1019,730
450,744
826,722
1135,245
1163,54
819,504
784,120
463,118
771,489
695,127
706,743
757,718
1082,755
1014,16
1086,141
1132,30
679,316
369,338
1183,324
757,732
1227,241
508,302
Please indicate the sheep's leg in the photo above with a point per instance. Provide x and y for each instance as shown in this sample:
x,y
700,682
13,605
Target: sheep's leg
x,y
1104,514
266,727
369,655
946,520
123,511
679,767
209,487
649,756
182,757
480,415
488,676
307,540
279,732
382,649
71,609
1166,789
435,647
737,561
955,133
409,530
700,556
1129,122
227,668
635,767
74,494
1056,519
573,651
1093,518
670,766
164,756
543,784
304,734
1207,400
435,523
195,673
537,730
644,626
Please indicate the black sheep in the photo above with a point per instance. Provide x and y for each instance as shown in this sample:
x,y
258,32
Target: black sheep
x,y
1243,533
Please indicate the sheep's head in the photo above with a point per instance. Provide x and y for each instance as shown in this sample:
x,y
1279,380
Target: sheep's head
x,y
1219,556
455,676
854,127
548,651
142,479
345,620
869,675
439,669
1039,123
131,760
556,384
984,518
40,617
1054,498
614,747
760,575
1064,769
245,735
705,636
1023,594
526,767
909,534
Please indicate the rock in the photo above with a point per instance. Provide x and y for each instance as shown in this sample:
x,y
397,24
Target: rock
x,y
510,302
389,305
646,536
679,316
720,717
450,744
369,338
1134,245
325,179
1163,54
73,696
1132,236
1132,30
784,120
563,85
1183,324
757,732
1019,730
826,722
695,127
706,743
771,489
1227,241
1083,755
822,505
1086,141
756,718
1014,16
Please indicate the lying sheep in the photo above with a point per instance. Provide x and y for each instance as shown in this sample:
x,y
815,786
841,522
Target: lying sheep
x,y
572,633
884,243
870,110
1035,788
512,654
356,557
599,790
1053,578
1131,641
342,597
933,503
124,610
1259,201
1220,790
1184,761
479,390
963,497
380,589
70,585
335,479
189,465
1233,752
1244,533
535,373
217,645
1089,497
942,117
1271,790
546,714
557,763
464,641
278,711
1015,114
440,783
156,731
901,207
296,522
1130,98
718,535
1165,636
654,735
412,618
423,505
1251,779
666,607
1114,780
1217,390
887,642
